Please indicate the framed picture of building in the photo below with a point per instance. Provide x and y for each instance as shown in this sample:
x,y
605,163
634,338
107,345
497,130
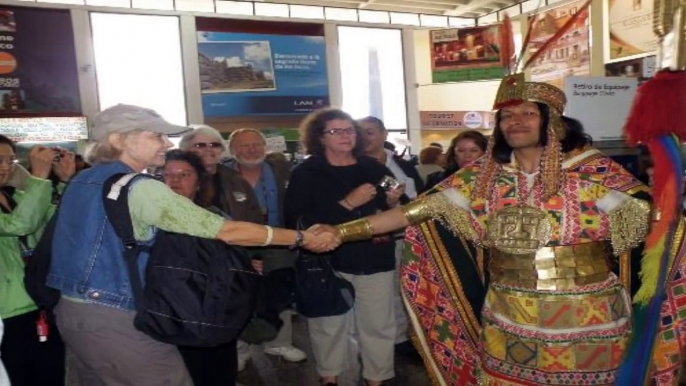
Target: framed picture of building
x,y
570,54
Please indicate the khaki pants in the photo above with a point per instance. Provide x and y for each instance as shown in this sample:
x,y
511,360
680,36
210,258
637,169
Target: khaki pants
x,y
373,319
108,350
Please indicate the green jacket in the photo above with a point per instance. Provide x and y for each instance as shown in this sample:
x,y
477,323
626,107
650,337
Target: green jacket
x,y
28,218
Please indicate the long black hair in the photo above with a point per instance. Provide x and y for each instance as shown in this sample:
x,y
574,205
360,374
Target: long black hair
x,y
575,138
6,141
205,185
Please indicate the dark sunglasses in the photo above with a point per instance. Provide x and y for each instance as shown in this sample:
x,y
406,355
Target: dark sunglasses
x,y
211,145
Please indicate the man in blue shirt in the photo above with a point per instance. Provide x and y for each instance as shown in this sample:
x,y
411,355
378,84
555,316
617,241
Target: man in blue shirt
x,y
268,175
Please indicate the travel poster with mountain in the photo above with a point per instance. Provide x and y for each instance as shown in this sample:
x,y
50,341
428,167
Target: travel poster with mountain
x,y
244,74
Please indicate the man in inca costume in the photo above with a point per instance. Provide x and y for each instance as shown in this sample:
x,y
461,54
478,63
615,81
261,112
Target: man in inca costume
x,y
521,269
558,221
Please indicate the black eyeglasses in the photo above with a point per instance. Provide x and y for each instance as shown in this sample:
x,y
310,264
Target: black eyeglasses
x,y
9,161
211,145
340,132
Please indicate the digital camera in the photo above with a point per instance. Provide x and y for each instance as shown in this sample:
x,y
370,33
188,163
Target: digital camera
x,y
389,183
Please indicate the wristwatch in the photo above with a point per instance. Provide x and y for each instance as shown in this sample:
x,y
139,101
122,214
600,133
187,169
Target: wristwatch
x,y
299,239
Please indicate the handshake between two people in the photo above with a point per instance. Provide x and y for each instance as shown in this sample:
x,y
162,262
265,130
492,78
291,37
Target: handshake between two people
x,y
321,238
324,238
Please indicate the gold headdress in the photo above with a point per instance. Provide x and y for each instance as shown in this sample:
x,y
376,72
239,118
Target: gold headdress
x,y
514,90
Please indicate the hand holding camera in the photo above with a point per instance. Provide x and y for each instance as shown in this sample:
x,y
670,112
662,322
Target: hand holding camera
x,y
63,164
394,190
41,159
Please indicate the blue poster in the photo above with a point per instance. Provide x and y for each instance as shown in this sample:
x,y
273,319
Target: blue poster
x,y
245,74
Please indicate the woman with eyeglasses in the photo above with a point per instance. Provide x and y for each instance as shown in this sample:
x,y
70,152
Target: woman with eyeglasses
x,y
28,360
231,193
338,183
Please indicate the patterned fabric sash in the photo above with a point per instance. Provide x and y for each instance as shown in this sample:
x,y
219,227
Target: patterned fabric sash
x,y
443,303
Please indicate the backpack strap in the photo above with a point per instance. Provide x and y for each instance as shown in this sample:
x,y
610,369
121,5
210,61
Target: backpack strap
x,y
116,200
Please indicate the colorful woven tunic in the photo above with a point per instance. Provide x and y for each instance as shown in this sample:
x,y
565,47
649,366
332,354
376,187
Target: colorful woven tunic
x,y
550,305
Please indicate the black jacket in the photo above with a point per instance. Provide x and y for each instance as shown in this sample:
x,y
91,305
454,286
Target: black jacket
x,y
313,194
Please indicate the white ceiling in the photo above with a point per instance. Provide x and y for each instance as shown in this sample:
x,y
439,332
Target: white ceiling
x,y
463,8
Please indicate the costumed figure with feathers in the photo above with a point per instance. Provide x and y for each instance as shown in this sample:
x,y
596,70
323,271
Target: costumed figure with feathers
x,y
583,281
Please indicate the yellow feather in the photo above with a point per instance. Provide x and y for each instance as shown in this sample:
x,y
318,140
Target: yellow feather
x,y
650,271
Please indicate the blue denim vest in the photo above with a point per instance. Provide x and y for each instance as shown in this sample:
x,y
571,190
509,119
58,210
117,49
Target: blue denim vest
x,y
87,254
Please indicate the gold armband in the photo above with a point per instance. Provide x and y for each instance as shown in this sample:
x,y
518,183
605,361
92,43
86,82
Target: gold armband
x,y
356,230
417,211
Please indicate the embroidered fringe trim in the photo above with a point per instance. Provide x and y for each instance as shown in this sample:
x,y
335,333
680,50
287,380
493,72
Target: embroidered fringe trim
x,y
453,217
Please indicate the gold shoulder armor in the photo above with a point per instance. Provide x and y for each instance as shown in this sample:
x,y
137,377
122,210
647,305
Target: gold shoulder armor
x,y
629,223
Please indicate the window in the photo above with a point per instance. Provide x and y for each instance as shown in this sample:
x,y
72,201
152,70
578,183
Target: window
x,y
378,17
342,14
195,5
271,9
153,4
307,12
138,61
405,18
372,74
433,21
234,7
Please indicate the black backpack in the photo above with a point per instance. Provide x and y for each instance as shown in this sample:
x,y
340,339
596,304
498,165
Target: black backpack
x,y
198,292
37,267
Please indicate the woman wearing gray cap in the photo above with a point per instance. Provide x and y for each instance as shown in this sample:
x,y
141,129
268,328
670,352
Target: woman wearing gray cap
x,y
96,311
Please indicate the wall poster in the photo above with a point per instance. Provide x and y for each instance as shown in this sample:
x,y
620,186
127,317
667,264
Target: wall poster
x,y
630,28
38,73
466,54
570,54
251,74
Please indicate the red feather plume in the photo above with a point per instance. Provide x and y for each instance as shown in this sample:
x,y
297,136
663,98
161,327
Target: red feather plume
x,y
506,44
659,108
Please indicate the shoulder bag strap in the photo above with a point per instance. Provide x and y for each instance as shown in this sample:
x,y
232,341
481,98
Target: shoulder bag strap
x,y
116,202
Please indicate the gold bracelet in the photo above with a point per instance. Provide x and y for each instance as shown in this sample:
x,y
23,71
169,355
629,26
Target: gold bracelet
x,y
417,211
356,230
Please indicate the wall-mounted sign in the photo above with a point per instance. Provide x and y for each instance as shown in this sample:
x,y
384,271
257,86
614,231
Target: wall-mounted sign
x,y
456,120
570,54
38,73
630,28
590,98
55,129
244,74
466,54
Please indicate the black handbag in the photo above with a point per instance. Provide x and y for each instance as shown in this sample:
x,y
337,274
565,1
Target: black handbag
x,y
320,290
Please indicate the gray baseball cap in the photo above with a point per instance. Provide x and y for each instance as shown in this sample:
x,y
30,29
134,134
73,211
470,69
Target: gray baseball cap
x,y
124,118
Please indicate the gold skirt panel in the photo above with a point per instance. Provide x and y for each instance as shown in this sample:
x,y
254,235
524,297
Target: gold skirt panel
x,y
551,268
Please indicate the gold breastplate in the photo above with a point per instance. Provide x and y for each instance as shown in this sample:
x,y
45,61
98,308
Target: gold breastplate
x,y
519,256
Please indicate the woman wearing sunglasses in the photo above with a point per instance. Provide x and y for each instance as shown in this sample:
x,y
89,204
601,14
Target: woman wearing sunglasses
x,y
230,192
